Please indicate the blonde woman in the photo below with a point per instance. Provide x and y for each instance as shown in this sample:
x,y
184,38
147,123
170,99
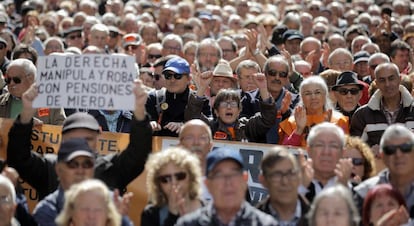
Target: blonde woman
x,y
173,184
89,203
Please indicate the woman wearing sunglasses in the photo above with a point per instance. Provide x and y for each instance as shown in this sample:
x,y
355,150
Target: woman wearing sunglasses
x,y
174,186
363,161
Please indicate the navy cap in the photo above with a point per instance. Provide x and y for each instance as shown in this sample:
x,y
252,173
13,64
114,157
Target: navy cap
x,y
292,34
178,65
73,148
347,78
220,154
80,120
361,56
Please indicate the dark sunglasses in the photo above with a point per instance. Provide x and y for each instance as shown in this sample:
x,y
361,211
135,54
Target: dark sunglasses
x,y
273,73
318,32
358,161
168,178
87,164
154,56
169,75
16,80
72,37
392,149
345,91
113,34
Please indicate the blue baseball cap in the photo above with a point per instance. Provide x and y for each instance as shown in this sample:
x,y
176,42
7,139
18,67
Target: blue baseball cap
x,y
73,148
178,65
220,154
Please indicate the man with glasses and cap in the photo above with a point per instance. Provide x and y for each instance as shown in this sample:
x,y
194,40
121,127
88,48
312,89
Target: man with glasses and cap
x,y
75,163
396,148
166,106
227,182
74,38
132,44
348,91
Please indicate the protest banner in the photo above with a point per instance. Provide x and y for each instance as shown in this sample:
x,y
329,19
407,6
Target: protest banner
x,y
90,81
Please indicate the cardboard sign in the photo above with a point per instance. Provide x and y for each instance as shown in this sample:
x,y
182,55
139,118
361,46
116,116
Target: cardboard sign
x,y
91,81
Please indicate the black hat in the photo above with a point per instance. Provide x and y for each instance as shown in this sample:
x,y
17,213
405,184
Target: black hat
x,y
292,34
73,148
347,78
80,120
361,56
277,34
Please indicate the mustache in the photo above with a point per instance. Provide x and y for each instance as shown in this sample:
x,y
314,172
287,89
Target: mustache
x,y
196,149
276,81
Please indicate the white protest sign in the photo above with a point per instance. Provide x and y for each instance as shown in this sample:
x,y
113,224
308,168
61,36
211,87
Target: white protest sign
x,y
91,81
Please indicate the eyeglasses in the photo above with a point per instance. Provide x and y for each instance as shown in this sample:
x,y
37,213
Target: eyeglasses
x,y
273,73
5,200
169,75
392,149
87,164
168,178
16,80
72,37
358,161
229,104
319,32
345,91
321,146
278,176
154,56
314,8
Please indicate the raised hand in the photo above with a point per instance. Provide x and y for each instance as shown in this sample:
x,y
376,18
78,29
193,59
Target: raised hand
x,y
141,97
343,171
28,97
204,82
300,119
174,126
261,82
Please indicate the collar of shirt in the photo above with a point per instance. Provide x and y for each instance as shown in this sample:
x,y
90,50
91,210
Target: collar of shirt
x,y
291,222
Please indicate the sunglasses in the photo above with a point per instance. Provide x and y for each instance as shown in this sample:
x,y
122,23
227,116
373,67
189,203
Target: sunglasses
x,y
319,32
273,73
345,91
16,80
72,37
168,178
87,164
154,56
358,161
169,75
113,34
392,149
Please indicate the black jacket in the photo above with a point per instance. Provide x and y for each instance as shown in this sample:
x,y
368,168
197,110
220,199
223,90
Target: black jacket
x,y
116,170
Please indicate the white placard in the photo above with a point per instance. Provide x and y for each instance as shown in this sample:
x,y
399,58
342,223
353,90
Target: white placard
x,y
91,81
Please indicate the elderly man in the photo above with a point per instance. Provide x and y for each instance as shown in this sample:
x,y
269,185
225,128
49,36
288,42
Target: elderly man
x,y
373,61
397,151
7,202
21,74
347,92
208,54
325,145
390,104
282,176
40,172
226,182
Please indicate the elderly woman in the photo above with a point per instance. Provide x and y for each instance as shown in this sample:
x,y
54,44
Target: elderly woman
x,y
314,107
363,161
7,202
333,206
89,203
384,205
173,184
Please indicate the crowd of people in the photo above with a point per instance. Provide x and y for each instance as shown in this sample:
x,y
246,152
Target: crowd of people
x,y
332,79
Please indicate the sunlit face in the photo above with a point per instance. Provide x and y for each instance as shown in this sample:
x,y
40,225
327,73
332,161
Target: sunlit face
x,y
227,185
196,138
293,46
7,207
16,73
336,42
332,211
381,205
308,47
177,85
401,59
277,76
325,151
53,46
90,208
228,52
228,111
98,38
361,68
341,62
75,39
353,153
246,79
218,83
171,180
388,81
208,57
314,98
69,176
399,163
171,47
348,101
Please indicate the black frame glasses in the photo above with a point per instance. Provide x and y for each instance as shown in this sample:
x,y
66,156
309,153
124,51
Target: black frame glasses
x,y
169,75
168,177
345,91
16,80
392,149
273,73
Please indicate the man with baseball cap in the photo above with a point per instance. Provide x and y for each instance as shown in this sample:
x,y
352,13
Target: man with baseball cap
x,y
348,91
227,183
166,106
132,44
117,170
292,40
